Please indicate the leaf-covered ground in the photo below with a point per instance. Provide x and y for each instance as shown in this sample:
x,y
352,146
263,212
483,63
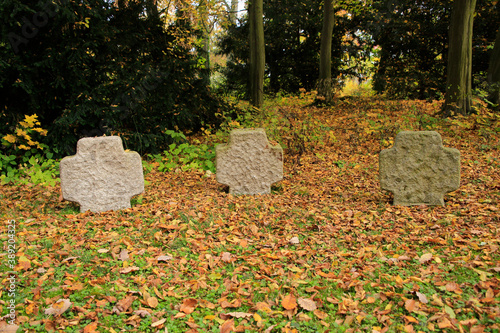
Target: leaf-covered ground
x,y
325,252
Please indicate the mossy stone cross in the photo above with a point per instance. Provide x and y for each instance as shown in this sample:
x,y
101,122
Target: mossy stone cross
x,y
418,169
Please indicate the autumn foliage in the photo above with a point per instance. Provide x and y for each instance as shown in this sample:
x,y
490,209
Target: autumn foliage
x,y
325,252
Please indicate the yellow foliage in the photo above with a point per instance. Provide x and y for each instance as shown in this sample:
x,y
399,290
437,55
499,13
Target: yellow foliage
x,y
31,120
10,138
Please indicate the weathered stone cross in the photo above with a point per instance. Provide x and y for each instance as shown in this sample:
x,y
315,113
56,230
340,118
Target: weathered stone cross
x,y
101,176
249,164
418,169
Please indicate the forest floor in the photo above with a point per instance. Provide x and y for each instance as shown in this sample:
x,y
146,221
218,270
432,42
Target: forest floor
x,y
324,252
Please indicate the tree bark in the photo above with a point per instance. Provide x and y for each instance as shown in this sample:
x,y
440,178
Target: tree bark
x,y
459,77
234,10
205,44
257,52
325,86
494,75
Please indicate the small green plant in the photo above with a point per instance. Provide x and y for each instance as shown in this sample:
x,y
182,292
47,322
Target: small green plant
x,y
181,154
24,159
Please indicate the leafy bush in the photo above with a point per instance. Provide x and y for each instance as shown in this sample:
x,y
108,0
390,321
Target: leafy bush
x,y
184,155
23,159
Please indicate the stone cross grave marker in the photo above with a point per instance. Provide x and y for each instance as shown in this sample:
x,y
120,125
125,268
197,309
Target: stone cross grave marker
x,y
101,176
418,169
248,164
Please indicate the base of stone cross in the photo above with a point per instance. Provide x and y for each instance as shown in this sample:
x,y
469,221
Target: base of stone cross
x,y
248,164
101,176
418,169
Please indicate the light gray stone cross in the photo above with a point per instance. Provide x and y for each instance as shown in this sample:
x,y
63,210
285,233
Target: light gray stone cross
x,y
249,164
101,176
418,169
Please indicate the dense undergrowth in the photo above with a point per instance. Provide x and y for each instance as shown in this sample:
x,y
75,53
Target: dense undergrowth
x,y
325,252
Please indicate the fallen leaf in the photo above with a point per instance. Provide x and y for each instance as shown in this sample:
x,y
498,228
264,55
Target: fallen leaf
x,y
164,258
123,304
289,302
226,257
239,314
159,322
24,263
444,323
294,240
227,326
307,304
152,302
142,313
422,298
410,305
477,329
129,269
123,256
102,250
59,307
90,328
425,258
320,314
188,305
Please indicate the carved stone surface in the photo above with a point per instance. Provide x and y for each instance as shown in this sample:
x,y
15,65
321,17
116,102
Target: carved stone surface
x,y
418,169
248,164
101,176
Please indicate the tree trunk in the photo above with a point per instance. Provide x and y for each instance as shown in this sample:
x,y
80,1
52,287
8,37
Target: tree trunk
x,y
494,74
325,84
233,11
459,79
257,52
205,43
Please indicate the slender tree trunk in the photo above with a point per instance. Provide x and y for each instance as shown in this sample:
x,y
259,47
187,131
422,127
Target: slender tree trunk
x,y
257,52
233,12
494,74
459,79
325,86
205,44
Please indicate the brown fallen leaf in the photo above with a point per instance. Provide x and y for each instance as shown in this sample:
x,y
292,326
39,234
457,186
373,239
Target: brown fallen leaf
x,y
188,305
226,257
270,328
123,256
59,307
477,329
239,314
152,302
320,314
425,258
227,326
307,304
159,322
164,258
90,328
9,328
129,269
289,302
445,323
410,305
24,263
123,304
142,313
421,297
